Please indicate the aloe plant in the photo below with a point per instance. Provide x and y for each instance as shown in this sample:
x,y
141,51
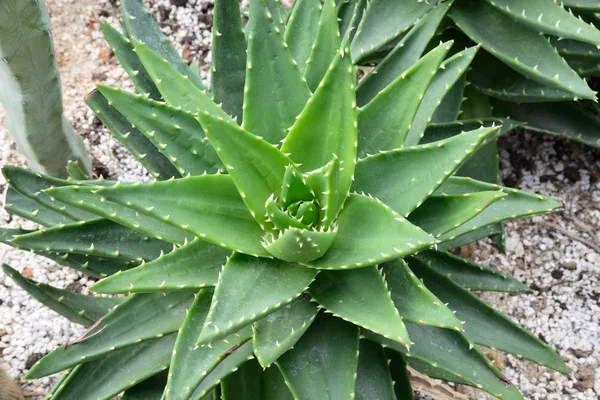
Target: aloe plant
x,y
294,240
31,92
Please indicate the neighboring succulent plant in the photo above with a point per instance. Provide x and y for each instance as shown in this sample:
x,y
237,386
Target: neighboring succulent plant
x,y
331,224
31,92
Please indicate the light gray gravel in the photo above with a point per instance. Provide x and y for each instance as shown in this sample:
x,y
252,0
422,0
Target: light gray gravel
x,y
547,253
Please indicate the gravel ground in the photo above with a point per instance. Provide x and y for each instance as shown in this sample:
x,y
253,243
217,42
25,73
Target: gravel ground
x,y
557,255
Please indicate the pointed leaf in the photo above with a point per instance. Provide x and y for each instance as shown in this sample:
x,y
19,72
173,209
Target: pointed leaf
x,y
299,245
442,83
400,376
140,147
230,364
484,24
251,382
96,238
575,50
249,289
139,318
228,72
414,301
97,379
17,204
175,85
361,297
548,17
424,168
140,25
256,167
301,30
373,380
176,133
279,332
190,364
471,237
208,206
494,78
327,125
84,310
323,364
195,265
470,275
484,325
325,46
441,214
129,61
85,197
569,120
274,84
583,4
515,205
384,123
385,20
447,354
370,233
406,53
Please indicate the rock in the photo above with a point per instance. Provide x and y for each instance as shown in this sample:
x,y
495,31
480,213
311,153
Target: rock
x,y
27,273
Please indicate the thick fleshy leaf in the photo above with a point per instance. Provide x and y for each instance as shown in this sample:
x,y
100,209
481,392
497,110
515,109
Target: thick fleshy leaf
x,y
399,373
360,296
129,61
386,120
17,204
441,214
250,381
140,147
84,310
515,205
95,266
190,364
134,364
453,358
471,237
484,325
488,26
31,184
403,56
85,197
301,30
404,178
569,120
575,50
496,79
325,46
550,18
231,362
327,125
208,206
274,83
280,331
373,380
150,389
255,166
228,70
139,24
414,301
441,85
470,275
591,5
96,238
140,318
195,265
323,364
370,233
384,21
176,133
249,289
174,85
299,245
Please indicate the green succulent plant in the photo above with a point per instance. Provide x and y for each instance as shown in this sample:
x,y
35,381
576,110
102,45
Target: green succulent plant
x,y
31,92
294,244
